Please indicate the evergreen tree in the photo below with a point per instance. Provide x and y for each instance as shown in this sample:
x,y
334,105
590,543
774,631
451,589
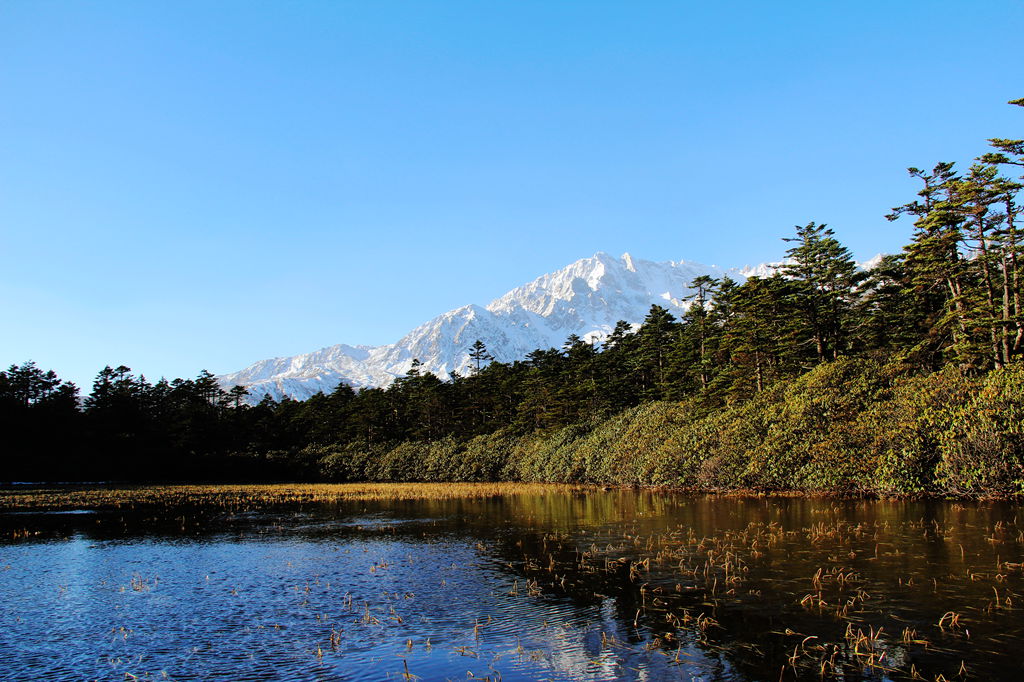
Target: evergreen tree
x,y
826,276
760,339
934,262
1010,313
27,384
897,317
39,424
236,396
618,387
479,356
699,323
655,342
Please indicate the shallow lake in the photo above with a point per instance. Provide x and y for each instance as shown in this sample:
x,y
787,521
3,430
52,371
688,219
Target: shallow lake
x,y
596,585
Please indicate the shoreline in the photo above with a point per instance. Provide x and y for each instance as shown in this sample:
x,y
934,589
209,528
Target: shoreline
x,y
64,496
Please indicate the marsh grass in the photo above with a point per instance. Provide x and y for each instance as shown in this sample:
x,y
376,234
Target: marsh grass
x,y
259,496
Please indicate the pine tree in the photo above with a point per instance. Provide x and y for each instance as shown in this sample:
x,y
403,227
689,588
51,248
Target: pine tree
x,y
699,320
617,385
759,336
934,262
653,351
479,356
236,396
895,316
1011,313
826,276
966,246
27,384
618,335
577,397
978,196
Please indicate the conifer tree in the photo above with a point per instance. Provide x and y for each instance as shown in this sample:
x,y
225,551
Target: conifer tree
x,y
1011,315
699,321
27,384
479,356
653,352
933,260
236,396
618,388
759,337
826,276
895,316
1008,152
966,246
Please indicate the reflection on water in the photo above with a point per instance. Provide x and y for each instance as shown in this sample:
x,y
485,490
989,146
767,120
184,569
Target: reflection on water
x,y
598,586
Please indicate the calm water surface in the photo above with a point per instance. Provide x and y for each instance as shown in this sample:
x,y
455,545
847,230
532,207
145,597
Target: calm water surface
x,y
612,585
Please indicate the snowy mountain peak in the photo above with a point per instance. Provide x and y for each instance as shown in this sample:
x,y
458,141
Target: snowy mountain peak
x,y
763,270
587,297
871,263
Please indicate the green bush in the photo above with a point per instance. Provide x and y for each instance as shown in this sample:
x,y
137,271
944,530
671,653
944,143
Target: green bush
x,y
487,456
797,434
548,456
351,461
899,432
982,448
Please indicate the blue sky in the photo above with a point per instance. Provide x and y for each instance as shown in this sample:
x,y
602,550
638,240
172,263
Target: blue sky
x,y
188,185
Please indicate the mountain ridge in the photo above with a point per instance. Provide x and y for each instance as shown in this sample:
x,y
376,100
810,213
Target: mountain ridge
x,y
587,298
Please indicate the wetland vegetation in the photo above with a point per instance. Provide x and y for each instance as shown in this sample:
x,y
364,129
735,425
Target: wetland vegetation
x,y
504,582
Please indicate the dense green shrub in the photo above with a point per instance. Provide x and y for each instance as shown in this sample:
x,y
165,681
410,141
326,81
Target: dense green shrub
x,y
487,456
548,456
795,435
628,448
898,433
351,461
852,425
982,446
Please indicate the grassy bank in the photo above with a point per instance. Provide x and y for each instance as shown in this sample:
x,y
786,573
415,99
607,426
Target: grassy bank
x,y
850,426
113,497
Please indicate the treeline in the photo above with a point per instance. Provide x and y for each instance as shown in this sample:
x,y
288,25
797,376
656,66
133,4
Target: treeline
x,y
904,378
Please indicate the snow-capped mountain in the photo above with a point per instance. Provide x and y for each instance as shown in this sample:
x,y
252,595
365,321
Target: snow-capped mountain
x,y
585,298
